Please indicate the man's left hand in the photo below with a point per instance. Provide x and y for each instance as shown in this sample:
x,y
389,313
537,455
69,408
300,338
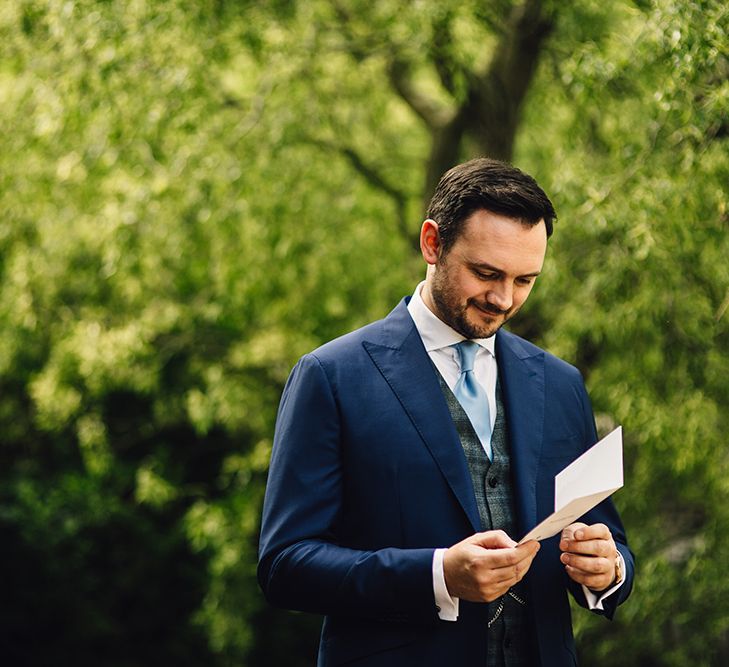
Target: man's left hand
x,y
589,555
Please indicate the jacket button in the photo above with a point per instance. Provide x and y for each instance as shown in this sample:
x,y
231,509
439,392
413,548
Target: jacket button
x,y
493,482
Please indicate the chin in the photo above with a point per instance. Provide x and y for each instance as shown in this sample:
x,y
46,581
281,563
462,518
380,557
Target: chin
x,y
487,326
481,330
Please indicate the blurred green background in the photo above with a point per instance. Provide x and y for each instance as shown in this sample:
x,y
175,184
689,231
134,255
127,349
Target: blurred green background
x,y
193,194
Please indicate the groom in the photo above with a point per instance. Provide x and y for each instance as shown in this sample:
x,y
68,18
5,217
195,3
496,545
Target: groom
x,y
411,454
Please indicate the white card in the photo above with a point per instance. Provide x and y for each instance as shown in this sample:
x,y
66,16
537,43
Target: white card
x,y
584,483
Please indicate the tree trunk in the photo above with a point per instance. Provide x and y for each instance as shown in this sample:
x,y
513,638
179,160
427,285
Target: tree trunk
x,y
489,116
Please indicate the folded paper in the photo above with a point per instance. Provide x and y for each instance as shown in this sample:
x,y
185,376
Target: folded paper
x,y
584,483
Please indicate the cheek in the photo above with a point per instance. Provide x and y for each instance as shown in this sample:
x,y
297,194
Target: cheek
x,y
471,287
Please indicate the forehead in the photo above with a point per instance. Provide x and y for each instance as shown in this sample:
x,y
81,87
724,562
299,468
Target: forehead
x,y
502,242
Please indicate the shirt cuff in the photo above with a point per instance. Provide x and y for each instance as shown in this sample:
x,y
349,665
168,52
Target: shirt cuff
x,y
594,601
446,605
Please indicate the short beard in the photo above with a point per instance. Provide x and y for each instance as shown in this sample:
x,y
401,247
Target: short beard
x,y
455,315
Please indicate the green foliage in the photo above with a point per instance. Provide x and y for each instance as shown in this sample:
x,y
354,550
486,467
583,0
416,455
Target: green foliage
x,y
193,197
637,294
166,256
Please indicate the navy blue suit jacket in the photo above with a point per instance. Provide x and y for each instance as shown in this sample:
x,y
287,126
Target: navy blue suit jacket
x,y
368,477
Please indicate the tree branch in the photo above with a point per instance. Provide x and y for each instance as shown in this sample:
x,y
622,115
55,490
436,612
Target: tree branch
x,y
440,51
360,49
444,152
375,179
490,112
517,53
430,112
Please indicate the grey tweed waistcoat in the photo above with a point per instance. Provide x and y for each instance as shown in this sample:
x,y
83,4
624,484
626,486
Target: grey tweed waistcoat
x,y
509,641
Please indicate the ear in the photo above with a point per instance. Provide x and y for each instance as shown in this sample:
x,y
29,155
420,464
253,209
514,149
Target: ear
x,y
430,246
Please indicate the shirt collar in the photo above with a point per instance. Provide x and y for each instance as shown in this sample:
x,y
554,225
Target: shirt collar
x,y
435,333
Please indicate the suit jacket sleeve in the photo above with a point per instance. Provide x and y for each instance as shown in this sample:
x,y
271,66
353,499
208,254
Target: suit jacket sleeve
x,y
302,563
605,513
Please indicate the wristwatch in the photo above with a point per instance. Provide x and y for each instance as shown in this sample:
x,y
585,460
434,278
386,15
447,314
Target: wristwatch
x,y
618,568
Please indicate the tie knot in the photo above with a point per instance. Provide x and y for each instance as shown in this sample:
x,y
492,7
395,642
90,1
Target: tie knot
x,y
466,354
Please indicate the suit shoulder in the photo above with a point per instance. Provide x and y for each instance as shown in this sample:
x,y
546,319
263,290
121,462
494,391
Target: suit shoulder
x,y
391,330
347,345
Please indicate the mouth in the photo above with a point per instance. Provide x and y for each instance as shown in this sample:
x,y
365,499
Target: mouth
x,y
489,311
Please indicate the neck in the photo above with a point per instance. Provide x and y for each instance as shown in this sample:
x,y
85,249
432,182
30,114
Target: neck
x,y
427,298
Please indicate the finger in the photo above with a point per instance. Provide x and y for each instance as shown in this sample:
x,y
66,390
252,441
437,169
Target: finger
x,y
499,558
597,582
597,531
493,539
504,576
588,564
489,579
569,531
513,573
492,583
604,548
523,568
531,545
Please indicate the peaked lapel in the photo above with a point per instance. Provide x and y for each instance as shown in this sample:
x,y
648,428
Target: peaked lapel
x,y
521,373
400,356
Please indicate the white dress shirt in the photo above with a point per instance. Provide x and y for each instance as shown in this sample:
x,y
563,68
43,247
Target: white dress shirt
x,y
438,339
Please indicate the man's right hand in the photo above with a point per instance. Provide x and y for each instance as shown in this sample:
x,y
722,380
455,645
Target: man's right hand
x,y
484,566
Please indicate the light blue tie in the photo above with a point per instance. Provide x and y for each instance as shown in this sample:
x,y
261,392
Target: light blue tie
x,y
471,395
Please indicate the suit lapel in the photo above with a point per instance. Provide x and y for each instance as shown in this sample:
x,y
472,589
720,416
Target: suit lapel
x,y
521,372
401,358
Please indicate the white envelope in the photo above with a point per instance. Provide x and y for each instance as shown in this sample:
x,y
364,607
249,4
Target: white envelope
x,y
584,483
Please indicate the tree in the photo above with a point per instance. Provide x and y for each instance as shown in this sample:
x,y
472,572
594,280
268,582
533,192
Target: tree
x,y
195,196
480,98
637,296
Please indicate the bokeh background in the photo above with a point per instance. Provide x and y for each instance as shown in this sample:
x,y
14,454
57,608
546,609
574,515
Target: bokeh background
x,y
194,193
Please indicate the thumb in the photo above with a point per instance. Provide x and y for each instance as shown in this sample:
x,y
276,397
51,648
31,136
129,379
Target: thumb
x,y
493,539
568,533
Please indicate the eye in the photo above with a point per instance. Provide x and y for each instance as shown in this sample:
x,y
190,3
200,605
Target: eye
x,y
524,281
485,276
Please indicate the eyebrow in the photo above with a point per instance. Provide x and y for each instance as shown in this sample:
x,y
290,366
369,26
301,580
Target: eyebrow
x,y
495,269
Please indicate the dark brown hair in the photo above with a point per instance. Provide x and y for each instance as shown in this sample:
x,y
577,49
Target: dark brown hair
x,y
485,184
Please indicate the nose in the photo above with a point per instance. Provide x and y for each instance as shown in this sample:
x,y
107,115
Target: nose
x,y
501,295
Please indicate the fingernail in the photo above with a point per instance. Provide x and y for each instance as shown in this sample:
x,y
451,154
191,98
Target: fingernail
x,y
579,534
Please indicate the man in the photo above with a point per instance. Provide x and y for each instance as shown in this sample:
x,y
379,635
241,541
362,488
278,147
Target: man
x,y
411,454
